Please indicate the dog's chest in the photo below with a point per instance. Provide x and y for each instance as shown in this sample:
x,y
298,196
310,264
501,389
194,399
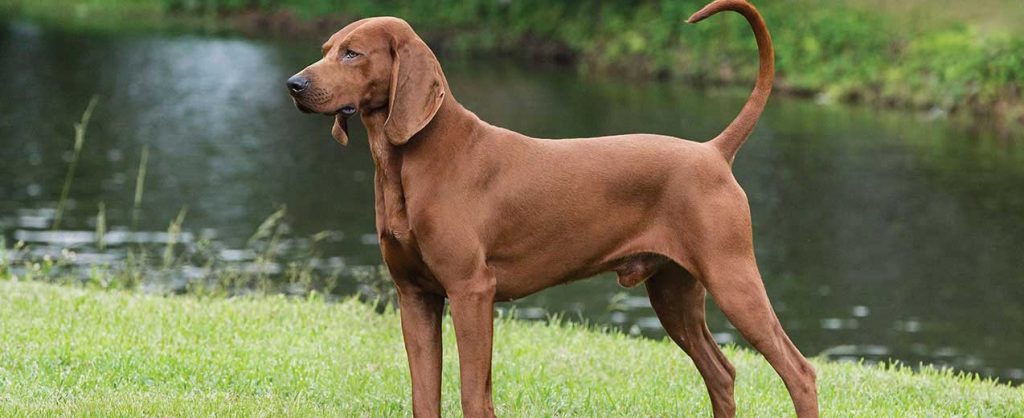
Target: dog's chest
x,y
397,241
392,219
398,244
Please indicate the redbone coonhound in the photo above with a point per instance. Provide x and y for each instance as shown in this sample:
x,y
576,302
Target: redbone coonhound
x,y
477,214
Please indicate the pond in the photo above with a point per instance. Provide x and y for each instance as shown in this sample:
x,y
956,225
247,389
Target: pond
x,y
880,234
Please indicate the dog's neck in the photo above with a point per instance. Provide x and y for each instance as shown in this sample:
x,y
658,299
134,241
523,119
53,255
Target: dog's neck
x,y
441,141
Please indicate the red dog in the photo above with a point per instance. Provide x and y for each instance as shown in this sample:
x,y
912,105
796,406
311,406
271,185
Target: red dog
x,y
476,214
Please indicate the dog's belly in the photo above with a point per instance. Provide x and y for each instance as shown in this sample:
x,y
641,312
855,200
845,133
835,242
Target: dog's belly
x,y
633,258
631,271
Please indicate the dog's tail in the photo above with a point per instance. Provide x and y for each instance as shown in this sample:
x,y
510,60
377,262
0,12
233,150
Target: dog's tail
x,y
730,140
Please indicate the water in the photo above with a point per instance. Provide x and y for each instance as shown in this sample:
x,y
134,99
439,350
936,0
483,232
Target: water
x,y
880,234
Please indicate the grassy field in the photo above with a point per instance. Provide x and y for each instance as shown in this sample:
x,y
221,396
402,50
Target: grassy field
x,y
73,351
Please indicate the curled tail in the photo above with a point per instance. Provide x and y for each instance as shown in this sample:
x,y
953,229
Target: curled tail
x,y
730,140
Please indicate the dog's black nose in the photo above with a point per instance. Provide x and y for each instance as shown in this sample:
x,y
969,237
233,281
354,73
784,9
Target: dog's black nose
x,y
297,83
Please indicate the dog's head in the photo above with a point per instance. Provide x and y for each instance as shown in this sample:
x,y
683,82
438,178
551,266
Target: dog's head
x,y
375,64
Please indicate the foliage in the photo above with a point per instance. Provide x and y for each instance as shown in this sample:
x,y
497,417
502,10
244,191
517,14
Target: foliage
x,y
848,50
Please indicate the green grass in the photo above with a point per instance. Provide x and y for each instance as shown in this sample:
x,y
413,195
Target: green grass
x,y
74,351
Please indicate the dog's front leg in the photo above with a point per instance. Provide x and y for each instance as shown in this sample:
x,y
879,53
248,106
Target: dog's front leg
x,y
421,328
472,307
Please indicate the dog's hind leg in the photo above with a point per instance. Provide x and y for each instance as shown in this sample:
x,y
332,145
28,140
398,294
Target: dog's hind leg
x,y
736,286
678,299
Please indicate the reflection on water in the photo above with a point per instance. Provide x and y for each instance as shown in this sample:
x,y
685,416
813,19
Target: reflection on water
x,y
879,234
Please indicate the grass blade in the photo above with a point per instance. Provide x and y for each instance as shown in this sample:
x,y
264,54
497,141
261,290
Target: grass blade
x,y
173,232
80,128
101,226
140,184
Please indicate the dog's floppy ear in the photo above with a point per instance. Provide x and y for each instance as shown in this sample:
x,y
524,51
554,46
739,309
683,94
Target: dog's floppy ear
x,y
417,90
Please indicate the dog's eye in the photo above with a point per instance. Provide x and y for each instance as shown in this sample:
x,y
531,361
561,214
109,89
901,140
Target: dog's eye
x,y
350,55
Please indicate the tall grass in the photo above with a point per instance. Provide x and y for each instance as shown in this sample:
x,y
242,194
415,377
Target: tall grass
x,y
140,185
173,234
273,261
101,226
69,177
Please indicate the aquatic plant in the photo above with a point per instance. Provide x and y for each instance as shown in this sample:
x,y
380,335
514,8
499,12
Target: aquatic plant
x,y
69,177
140,185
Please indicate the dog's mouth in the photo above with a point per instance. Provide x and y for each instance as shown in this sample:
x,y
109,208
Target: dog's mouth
x,y
303,108
344,111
